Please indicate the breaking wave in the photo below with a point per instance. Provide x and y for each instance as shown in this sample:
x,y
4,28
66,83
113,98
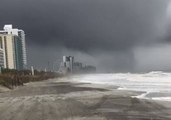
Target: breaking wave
x,y
155,85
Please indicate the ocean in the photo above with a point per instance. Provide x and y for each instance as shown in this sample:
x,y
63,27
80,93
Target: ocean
x,y
154,85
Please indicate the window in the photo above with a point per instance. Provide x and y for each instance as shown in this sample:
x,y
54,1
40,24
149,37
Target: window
x,y
0,42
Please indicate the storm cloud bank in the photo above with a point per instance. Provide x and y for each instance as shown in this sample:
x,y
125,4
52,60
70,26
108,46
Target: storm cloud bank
x,y
114,35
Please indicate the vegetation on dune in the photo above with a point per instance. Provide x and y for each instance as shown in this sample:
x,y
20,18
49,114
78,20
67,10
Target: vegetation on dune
x,y
14,78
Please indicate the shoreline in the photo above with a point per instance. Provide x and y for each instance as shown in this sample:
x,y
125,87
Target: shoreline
x,y
66,100
161,105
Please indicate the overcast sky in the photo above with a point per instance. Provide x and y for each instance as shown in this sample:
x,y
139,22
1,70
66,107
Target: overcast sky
x,y
114,35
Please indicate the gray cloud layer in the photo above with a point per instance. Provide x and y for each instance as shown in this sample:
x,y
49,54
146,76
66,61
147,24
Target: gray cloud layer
x,y
112,34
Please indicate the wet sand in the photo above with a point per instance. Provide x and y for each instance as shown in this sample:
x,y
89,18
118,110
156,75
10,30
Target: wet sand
x,y
64,100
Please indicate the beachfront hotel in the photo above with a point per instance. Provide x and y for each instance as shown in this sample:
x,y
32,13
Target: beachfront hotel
x,y
67,64
12,44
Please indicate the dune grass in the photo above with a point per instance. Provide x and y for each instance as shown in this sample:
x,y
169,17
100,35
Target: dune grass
x,y
13,78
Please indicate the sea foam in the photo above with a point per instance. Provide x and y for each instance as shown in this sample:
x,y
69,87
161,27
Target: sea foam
x,y
153,82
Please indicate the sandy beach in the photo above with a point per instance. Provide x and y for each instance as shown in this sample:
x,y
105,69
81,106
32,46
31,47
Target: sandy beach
x,y
62,99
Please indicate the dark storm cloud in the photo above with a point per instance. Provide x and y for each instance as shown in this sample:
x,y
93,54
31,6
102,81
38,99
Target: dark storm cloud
x,y
112,27
81,24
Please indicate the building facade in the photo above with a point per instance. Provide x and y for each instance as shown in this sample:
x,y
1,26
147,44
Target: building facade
x,y
21,34
67,64
2,64
2,58
12,51
12,43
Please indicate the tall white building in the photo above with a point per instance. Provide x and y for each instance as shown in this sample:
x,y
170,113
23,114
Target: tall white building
x,y
19,34
14,46
12,51
67,64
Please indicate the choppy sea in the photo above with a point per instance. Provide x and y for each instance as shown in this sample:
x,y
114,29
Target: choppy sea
x,y
155,85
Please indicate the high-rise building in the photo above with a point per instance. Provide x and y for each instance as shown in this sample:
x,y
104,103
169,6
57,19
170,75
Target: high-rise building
x,y
13,44
78,66
67,64
21,34
12,51
71,59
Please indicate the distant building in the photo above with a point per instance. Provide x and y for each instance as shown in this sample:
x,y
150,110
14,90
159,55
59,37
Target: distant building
x,y
67,64
77,67
89,69
12,42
